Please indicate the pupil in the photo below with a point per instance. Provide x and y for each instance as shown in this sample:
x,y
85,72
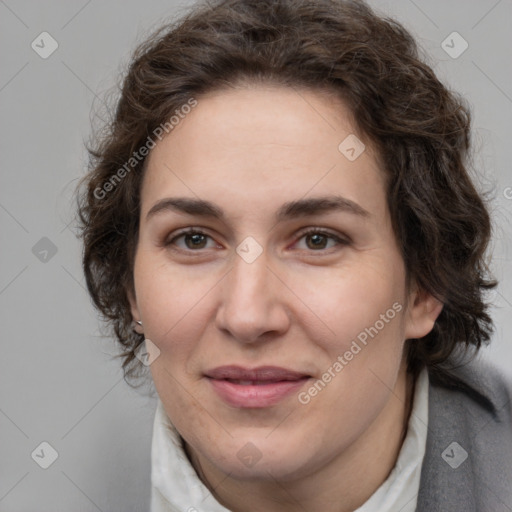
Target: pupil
x,y
197,239
318,240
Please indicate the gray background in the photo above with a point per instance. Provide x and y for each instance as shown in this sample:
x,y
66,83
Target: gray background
x,y
59,383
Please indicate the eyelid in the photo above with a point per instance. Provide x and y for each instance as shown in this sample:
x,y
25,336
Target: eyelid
x,y
340,239
191,230
323,231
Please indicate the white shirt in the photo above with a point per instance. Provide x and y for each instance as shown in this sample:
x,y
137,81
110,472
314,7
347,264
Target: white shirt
x,y
177,488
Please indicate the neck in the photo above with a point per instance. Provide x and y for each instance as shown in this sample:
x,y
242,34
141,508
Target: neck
x,y
343,485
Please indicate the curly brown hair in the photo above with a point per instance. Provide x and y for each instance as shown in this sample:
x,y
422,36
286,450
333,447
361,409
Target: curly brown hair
x,y
420,129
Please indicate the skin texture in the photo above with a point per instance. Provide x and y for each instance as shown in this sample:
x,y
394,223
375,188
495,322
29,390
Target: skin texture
x,y
298,305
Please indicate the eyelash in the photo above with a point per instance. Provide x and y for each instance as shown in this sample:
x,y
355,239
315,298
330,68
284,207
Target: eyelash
x,y
310,231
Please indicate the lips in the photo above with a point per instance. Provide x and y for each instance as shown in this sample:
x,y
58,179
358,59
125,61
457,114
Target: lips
x,y
262,374
254,388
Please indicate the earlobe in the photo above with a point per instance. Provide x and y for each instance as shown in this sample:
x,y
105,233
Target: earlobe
x,y
422,314
137,324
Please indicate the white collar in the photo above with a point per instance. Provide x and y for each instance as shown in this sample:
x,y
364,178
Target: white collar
x,y
177,488
175,484
400,490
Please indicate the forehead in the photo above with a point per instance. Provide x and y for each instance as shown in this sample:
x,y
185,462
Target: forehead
x,y
267,143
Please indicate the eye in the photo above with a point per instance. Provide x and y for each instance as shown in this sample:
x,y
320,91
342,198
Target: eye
x,y
317,239
191,239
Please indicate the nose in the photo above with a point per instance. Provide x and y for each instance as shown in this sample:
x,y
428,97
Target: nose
x,y
253,303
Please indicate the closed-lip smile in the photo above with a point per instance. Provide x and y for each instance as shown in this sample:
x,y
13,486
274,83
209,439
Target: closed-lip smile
x,y
254,387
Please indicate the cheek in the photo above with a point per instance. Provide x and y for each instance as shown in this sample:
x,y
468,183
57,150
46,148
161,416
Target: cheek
x,y
171,301
359,300
357,382
181,405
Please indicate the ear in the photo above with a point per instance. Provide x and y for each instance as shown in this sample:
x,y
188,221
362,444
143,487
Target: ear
x,y
422,312
130,293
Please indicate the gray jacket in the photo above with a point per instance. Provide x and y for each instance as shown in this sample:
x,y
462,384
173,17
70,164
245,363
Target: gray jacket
x,y
468,462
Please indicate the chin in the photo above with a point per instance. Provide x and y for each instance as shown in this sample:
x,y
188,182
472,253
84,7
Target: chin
x,y
265,471
261,459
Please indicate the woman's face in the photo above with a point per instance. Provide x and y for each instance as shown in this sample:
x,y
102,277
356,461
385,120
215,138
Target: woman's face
x,y
251,172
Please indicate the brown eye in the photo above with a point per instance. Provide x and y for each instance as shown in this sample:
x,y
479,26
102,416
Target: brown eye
x,y
191,240
195,241
318,240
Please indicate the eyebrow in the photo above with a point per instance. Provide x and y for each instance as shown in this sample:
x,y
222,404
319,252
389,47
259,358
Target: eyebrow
x,y
290,210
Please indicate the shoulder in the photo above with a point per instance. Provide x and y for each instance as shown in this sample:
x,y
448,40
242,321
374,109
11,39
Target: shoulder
x,y
477,384
468,457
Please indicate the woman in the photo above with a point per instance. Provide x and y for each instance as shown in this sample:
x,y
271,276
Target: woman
x,y
281,225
